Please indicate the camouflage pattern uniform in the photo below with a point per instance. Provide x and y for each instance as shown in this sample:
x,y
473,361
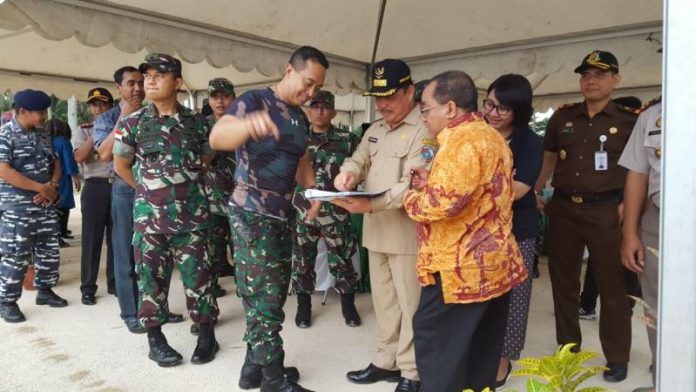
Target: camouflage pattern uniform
x,y
26,229
328,149
171,215
260,206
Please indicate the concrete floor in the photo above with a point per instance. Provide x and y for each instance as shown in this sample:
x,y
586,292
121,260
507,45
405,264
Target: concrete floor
x,y
81,348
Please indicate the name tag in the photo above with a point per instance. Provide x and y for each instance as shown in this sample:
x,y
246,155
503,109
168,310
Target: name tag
x,y
601,160
655,132
372,139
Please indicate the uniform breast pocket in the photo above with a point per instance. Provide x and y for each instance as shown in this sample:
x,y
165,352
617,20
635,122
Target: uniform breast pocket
x,y
653,146
151,149
565,139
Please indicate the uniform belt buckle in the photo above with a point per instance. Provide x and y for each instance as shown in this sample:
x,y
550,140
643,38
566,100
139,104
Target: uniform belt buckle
x,y
576,199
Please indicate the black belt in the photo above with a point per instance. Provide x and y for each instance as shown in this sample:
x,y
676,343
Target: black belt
x,y
100,180
585,198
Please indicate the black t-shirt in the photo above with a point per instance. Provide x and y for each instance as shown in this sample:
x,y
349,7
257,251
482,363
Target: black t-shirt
x,y
528,157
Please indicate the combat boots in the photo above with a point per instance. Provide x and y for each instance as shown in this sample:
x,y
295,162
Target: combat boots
x,y
250,377
207,346
303,318
350,314
48,297
274,379
10,312
160,351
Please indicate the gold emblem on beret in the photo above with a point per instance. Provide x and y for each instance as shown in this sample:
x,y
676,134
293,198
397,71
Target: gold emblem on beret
x,y
97,93
658,123
563,154
379,72
613,130
658,153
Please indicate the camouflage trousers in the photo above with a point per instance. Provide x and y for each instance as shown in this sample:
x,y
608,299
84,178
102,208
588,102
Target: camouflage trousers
x,y
24,235
218,242
154,255
340,247
262,250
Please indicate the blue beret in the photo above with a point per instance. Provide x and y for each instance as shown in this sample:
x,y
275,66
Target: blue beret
x,y
33,100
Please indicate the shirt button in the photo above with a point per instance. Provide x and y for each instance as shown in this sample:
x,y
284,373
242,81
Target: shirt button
x,y
590,124
577,174
584,141
580,157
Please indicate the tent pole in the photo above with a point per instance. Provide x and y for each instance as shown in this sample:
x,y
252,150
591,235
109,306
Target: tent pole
x,y
677,285
72,113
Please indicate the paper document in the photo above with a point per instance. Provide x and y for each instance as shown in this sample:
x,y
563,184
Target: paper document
x,y
315,194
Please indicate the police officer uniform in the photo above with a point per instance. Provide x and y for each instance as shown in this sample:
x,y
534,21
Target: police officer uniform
x,y
383,161
583,212
95,204
643,154
28,230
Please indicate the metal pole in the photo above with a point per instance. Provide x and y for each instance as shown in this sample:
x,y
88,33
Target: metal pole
x,y
676,364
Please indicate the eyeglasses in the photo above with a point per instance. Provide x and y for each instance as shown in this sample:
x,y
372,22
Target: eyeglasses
x,y
502,110
425,110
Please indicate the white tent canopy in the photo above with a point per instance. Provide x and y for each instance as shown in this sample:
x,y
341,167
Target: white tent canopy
x,y
68,46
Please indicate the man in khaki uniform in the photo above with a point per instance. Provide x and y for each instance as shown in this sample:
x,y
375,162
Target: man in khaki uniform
x,y
642,157
390,148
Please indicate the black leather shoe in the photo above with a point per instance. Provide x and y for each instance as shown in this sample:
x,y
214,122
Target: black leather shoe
x,y
406,385
195,329
250,377
372,374
275,379
89,299
617,372
219,291
134,326
111,290
501,383
303,318
350,314
207,346
175,318
48,297
9,311
162,353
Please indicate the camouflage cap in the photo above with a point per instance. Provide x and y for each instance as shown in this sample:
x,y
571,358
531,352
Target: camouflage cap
x,y
599,59
323,96
221,84
420,86
162,63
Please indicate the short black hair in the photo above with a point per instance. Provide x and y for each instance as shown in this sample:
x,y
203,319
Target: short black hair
x,y
515,92
118,75
305,53
455,86
57,127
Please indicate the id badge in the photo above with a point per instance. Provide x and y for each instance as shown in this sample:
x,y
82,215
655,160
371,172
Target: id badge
x,y
601,160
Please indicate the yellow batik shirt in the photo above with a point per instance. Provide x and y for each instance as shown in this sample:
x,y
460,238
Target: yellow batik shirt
x,y
464,215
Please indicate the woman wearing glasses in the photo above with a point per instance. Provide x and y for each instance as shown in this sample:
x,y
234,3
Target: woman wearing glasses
x,y
508,108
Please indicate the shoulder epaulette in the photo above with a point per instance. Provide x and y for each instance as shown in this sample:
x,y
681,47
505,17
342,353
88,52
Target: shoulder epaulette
x,y
652,102
568,105
628,109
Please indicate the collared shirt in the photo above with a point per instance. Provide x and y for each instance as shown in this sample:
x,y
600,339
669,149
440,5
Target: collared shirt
x,y
464,215
574,136
92,167
643,152
383,160
328,151
168,150
104,124
31,153
266,169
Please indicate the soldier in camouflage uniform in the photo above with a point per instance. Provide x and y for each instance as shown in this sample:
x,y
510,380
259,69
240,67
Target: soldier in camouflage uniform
x,y
29,173
269,132
219,179
329,146
160,150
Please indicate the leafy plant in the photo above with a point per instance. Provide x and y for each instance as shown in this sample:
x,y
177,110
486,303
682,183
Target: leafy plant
x,y
562,372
